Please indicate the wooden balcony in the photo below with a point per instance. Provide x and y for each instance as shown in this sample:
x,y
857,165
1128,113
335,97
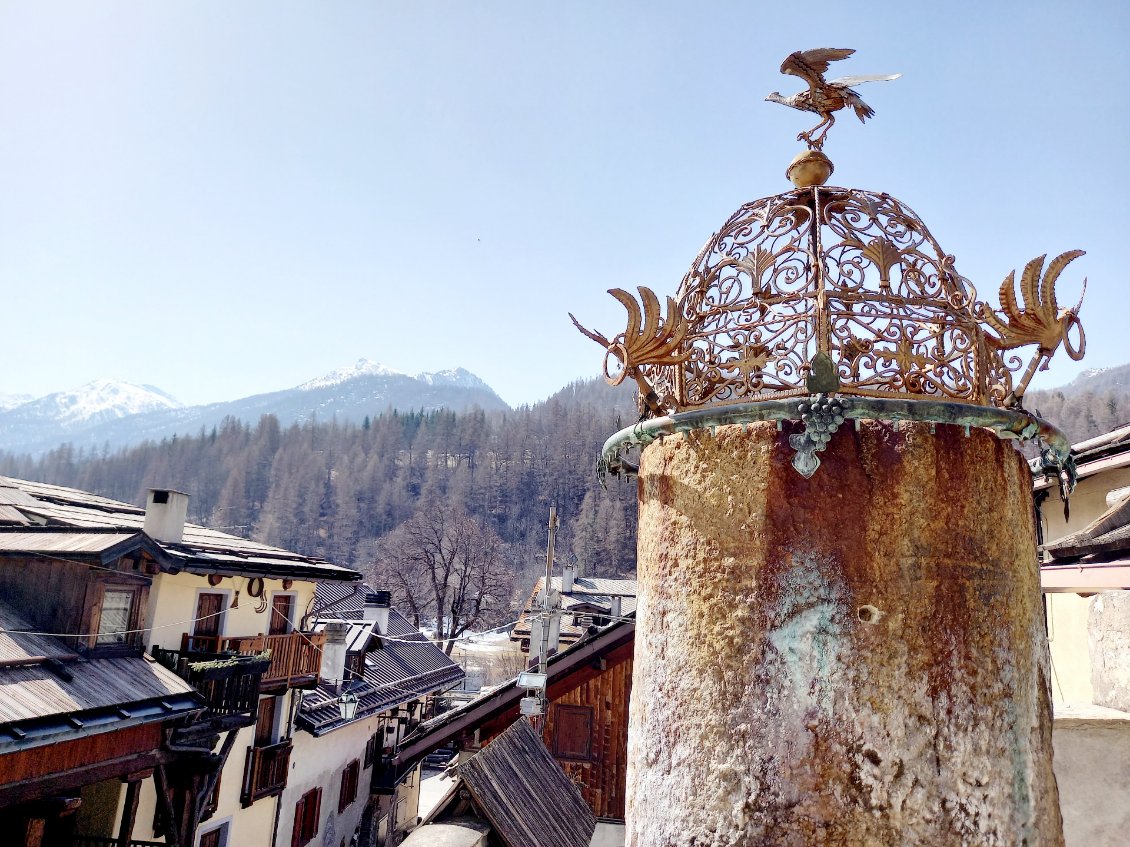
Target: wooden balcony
x,y
266,771
295,656
229,683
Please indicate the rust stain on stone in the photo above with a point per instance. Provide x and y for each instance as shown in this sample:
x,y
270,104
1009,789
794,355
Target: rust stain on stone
x,y
848,659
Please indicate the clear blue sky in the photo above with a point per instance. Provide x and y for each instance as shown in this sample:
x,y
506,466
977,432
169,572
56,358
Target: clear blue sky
x,y
224,198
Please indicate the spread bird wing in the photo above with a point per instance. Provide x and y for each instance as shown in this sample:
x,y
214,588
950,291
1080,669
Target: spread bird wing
x,y
810,65
850,81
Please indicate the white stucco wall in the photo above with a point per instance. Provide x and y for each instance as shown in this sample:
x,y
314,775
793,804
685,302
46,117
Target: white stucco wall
x,y
172,606
1067,641
318,762
1067,612
1088,501
250,827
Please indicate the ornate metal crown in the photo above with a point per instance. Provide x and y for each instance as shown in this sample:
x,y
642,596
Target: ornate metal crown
x,y
845,281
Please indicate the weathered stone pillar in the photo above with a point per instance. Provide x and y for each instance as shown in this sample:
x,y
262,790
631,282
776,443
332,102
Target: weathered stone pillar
x,y
854,659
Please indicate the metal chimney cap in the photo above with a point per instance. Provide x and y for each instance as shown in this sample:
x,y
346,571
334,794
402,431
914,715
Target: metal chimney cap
x,y
378,598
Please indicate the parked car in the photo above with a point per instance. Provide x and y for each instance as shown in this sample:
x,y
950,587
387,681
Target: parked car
x,y
439,758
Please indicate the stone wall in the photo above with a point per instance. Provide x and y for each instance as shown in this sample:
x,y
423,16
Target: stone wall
x,y
1108,635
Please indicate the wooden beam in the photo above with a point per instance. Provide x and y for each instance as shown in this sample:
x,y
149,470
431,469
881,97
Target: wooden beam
x,y
60,783
129,813
165,808
33,832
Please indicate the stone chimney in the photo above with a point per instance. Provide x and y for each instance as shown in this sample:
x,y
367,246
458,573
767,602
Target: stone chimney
x,y
614,611
165,513
333,653
568,576
377,604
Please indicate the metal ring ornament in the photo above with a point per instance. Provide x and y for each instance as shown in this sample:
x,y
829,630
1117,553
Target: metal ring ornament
x,y
1008,424
616,349
1073,351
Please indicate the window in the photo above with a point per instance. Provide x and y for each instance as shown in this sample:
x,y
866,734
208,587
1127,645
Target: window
x,y
212,802
371,747
209,614
265,722
348,785
572,732
306,812
282,614
217,837
117,614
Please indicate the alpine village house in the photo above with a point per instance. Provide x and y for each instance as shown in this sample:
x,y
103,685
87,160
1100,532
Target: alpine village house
x,y
164,683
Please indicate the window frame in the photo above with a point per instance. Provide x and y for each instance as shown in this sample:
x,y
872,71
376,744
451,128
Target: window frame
x,y
223,827
223,616
134,620
291,627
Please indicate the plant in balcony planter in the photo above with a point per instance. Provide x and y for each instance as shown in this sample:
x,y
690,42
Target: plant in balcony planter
x,y
230,662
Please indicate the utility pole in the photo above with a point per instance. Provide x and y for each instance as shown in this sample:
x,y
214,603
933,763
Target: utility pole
x,y
546,602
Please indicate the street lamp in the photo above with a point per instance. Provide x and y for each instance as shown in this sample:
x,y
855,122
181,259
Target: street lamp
x,y
347,705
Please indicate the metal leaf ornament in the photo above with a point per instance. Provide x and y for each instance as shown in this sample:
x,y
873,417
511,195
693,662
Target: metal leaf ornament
x,y
1040,321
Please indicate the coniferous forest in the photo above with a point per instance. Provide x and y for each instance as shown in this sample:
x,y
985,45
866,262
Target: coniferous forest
x,y
333,489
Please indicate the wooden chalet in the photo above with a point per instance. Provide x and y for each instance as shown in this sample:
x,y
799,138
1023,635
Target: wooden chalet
x,y
74,730
585,728
220,616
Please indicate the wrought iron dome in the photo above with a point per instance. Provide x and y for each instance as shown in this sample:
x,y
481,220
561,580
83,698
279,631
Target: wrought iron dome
x,y
823,304
853,275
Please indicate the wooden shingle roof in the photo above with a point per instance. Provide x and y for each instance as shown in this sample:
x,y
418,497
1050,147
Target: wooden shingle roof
x,y
69,522
518,786
48,693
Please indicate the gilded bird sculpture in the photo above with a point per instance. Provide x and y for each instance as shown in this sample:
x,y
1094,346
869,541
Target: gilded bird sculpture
x,y
825,98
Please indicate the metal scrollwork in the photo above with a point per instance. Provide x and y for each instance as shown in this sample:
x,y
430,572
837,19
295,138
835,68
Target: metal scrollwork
x,y
853,277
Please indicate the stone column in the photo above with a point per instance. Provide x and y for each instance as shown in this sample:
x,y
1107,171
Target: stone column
x,y
852,659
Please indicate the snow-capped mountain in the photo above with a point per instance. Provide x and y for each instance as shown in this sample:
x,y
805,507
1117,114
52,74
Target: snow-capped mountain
x,y
117,413
453,376
10,401
98,401
363,367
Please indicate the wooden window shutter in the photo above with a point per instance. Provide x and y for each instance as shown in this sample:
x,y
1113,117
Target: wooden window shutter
x,y
282,614
572,732
265,723
299,822
306,812
317,812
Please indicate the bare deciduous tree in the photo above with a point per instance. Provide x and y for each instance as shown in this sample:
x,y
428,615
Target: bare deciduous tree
x,y
445,565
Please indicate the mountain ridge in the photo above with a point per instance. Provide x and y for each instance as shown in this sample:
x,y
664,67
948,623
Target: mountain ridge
x,y
89,417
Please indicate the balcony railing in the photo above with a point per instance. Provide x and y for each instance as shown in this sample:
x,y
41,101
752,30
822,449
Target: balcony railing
x,y
295,656
265,774
228,683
